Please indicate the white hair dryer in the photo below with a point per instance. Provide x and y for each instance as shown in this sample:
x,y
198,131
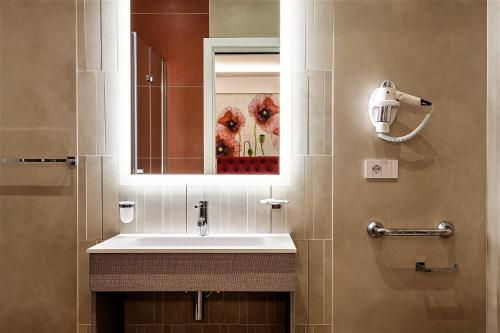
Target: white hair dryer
x,y
383,107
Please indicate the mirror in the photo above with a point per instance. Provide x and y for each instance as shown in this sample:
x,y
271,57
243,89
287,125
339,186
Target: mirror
x,y
205,87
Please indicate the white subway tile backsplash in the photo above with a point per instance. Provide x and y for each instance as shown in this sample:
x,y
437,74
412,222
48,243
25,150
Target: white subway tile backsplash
x,y
153,209
140,208
194,195
238,210
259,215
213,195
179,209
279,216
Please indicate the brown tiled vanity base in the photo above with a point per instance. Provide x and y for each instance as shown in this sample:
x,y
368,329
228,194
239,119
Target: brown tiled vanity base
x,y
113,274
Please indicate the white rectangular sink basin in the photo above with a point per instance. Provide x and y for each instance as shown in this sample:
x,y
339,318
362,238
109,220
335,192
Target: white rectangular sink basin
x,y
190,243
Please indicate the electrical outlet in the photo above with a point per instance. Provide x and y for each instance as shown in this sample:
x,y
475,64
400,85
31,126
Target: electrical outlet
x,y
381,169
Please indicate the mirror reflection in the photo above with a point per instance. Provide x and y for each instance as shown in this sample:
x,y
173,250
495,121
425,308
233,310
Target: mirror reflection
x,y
205,87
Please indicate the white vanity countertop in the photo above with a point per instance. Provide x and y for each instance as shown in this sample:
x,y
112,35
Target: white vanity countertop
x,y
192,243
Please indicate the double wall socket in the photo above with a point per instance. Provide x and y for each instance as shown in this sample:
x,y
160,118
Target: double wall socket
x,y
381,169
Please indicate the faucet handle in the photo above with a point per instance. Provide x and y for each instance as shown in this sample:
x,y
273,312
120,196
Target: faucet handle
x,y
201,204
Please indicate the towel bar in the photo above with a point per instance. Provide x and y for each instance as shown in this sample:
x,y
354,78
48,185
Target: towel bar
x,y
70,160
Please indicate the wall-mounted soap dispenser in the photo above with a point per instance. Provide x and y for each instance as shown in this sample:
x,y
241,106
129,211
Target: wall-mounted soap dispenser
x,y
127,209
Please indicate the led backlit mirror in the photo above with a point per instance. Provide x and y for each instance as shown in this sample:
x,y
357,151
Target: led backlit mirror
x,y
205,87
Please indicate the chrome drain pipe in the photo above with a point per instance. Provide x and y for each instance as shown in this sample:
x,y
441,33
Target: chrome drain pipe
x,y
199,310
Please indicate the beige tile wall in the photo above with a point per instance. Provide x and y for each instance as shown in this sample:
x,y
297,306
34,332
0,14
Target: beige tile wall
x,y
232,209
37,202
493,188
435,49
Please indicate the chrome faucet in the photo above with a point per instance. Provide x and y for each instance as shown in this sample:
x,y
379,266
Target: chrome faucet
x,y
202,221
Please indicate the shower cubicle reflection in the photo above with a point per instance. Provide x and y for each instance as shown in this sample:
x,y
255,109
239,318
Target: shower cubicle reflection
x,y
149,109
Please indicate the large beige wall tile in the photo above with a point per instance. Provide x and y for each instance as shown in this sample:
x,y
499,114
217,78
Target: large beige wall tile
x,y
38,223
441,174
493,154
32,95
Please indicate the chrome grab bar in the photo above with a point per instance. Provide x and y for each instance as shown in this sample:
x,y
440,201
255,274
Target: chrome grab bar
x,y
376,229
70,160
420,267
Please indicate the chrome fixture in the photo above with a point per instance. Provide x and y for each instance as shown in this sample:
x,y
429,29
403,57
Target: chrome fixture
x,y
202,221
420,267
198,308
70,160
274,203
376,229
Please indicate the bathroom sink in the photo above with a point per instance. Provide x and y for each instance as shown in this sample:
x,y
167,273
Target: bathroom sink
x,y
190,243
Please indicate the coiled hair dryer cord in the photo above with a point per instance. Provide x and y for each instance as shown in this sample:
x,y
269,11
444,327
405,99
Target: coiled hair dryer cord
x,y
408,136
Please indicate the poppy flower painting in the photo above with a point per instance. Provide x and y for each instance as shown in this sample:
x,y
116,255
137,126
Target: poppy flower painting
x,y
225,146
263,108
252,134
231,120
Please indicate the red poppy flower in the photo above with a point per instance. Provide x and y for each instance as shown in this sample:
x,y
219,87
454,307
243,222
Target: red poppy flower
x,y
225,146
263,108
230,121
